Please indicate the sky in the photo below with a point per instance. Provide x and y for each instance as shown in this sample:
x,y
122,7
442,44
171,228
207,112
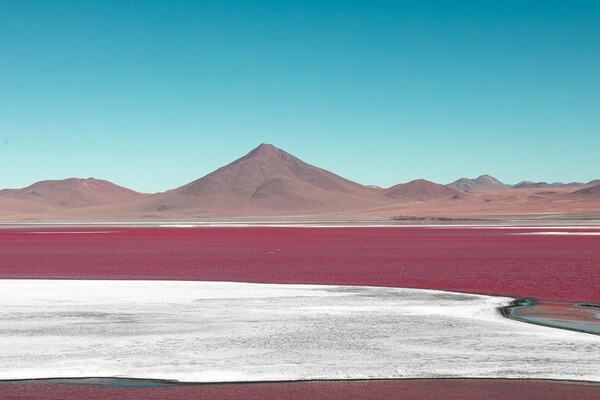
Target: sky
x,y
155,94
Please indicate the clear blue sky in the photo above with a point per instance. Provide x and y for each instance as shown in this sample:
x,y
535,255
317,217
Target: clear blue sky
x,y
152,95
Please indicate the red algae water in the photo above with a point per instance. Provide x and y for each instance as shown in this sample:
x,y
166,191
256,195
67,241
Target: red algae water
x,y
448,389
475,260
485,261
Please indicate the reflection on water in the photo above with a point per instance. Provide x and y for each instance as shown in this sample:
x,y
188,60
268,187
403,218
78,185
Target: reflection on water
x,y
581,317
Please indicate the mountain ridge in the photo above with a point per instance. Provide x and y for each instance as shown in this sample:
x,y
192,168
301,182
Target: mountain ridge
x,y
482,182
269,182
421,190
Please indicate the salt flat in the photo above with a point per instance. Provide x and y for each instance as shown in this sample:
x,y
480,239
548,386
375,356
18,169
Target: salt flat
x,y
222,331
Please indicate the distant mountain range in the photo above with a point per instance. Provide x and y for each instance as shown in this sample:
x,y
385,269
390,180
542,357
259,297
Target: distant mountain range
x,y
269,182
481,183
421,190
544,185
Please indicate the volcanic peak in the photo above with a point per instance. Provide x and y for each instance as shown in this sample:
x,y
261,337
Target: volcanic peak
x,y
268,178
262,166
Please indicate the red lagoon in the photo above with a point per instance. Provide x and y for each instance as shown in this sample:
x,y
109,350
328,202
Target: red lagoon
x,y
477,260
487,261
422,389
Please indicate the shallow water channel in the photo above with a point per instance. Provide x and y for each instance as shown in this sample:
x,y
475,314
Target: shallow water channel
x,y
580,317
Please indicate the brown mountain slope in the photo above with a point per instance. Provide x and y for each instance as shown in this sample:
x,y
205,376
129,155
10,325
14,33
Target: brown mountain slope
x,y
482,182
69,193
16,210
266,181
422,190
589,192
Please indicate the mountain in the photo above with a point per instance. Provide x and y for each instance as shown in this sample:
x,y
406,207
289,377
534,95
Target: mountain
x,y
545,185
590,192
14,209
265,181
594,182
68,193
480,183
269,183
422,190
532,185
